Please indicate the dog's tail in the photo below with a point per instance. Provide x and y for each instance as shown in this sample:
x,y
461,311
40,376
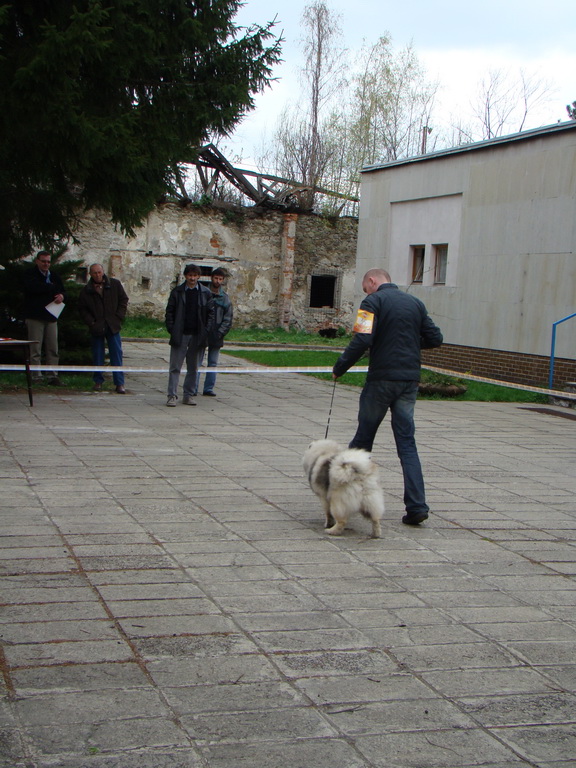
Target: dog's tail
x,y
348,465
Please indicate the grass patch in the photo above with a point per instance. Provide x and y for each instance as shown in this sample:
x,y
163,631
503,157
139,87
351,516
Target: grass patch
x,y
280,336
476,390
140,327
16,382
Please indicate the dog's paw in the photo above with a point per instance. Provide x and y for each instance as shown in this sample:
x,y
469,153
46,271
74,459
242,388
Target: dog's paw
x,y
336,530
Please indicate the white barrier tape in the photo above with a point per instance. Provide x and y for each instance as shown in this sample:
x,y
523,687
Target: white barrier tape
x,y
125,369
279,369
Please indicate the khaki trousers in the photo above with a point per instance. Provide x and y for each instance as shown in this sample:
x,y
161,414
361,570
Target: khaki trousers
x,y
45,334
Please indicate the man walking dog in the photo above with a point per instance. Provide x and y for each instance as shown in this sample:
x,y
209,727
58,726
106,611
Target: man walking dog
x,y
394,326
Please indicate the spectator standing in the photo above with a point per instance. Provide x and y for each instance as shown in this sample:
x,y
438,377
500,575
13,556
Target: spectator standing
x,y
43,288
223,316
189,318
102,305
394,326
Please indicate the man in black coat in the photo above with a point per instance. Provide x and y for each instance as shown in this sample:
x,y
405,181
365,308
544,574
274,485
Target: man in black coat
x,y
394,326
43,288
102,306
189,318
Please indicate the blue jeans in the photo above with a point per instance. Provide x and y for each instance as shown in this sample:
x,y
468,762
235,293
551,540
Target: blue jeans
x,y
400,397
212,362
115,353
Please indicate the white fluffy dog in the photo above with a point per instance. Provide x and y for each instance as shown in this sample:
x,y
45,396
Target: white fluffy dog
x,y
346,481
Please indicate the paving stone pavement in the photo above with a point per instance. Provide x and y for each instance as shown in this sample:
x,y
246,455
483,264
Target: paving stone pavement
x,y
170,599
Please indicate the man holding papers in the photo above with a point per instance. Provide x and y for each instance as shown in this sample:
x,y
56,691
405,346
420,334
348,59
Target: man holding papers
x,y
43,301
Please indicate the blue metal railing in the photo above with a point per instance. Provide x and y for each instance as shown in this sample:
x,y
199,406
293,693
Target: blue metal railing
x,y
553,348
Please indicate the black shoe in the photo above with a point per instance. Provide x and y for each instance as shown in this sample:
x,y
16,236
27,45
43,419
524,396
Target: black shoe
x,y
415,519
209,394
55,381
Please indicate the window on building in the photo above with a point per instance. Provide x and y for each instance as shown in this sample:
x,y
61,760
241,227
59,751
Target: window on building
x,y
440,263
418,252
323,290
205,273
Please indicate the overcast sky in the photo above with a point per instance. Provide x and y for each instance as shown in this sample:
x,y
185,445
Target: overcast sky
x,y
457,43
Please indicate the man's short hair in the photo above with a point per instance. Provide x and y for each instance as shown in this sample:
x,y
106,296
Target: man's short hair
x,y
378,274
219,271
192,268
43,253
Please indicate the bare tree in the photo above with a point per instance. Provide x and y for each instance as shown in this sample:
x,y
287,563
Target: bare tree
x,y
302,151
504,103
384,113
392,102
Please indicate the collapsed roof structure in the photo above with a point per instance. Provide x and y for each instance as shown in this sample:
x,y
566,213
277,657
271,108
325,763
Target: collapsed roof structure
x,y
268,191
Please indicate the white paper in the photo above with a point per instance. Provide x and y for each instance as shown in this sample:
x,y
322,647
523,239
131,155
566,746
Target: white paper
x,y
55,309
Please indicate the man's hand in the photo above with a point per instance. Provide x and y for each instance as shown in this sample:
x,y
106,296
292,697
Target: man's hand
x,y
59,298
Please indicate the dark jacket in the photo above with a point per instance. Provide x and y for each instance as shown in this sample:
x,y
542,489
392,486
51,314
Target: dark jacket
x,y
176,312
38,293
108,310
223,317
400,330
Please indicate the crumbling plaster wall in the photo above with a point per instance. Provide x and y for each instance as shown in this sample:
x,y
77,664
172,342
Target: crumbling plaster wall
x,y
248,243
325,246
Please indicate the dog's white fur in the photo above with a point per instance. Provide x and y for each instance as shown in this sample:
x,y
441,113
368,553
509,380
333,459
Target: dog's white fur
x,y
346,480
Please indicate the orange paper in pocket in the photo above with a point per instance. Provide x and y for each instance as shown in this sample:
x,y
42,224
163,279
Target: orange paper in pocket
x,y
364,322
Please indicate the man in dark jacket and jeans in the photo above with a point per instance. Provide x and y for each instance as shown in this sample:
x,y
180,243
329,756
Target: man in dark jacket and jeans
x,y
394,326
189,318
102,306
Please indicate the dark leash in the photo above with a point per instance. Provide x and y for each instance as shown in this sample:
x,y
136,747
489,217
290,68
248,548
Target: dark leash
x,y
330,412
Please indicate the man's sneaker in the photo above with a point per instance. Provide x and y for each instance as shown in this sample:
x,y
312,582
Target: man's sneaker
x,y
209,394
415,519
188,400
97,387
171,402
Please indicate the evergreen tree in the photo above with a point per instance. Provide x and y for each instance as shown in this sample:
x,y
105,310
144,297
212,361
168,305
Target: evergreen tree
x,y
102,101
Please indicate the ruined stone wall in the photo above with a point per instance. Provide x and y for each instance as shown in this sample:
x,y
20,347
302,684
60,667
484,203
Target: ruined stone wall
x,y
325,247
247,242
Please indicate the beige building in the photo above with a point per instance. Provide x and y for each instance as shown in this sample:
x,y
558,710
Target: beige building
x,y
485,235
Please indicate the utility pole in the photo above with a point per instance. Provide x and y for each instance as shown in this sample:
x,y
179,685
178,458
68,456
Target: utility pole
x,y
425,133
